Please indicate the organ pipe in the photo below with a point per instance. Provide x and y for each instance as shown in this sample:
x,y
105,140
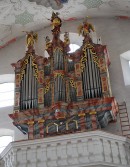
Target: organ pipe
x,y
91,78
28,93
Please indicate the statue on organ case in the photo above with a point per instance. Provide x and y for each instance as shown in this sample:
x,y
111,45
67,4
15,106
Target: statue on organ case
x,y
85,28
31,38
56,22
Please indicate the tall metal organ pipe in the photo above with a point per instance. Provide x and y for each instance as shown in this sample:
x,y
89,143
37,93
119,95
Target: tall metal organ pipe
x,y
91,78
28,92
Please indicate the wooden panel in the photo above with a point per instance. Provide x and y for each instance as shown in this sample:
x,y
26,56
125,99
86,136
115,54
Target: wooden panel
x,y
104,84
40,95
17,80
102,65
79,88
40,77
77,70
17,97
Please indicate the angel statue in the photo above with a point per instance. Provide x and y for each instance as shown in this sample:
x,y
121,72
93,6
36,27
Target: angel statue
x,y
56,22
85,28
31,38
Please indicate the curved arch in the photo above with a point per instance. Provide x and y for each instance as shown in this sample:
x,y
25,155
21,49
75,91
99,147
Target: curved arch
x,y
75,121
126,55
6,136
7,78
6,132
125,63
74,38
6,94
50,124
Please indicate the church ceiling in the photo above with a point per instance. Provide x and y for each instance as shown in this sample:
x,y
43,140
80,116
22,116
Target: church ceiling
x,y
23,15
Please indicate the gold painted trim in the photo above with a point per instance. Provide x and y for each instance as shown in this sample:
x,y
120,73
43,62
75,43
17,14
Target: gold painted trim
x,y
41,121
72,83
30,122
81,114
47,88
67,124
25,62
47,127
93,113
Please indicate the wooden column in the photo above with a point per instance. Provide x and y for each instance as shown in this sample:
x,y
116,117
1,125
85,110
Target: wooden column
x,y
41,127
30,129
93,119
82,121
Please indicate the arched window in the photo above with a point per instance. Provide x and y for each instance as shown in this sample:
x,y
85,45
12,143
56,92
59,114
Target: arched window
x,y
7,90
6,94
125,63
4,141
73,48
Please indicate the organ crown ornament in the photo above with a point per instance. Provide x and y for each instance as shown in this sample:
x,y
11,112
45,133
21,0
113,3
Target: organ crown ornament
x,y
57,96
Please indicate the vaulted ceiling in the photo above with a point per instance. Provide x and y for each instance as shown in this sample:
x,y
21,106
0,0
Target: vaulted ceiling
x,y
25,15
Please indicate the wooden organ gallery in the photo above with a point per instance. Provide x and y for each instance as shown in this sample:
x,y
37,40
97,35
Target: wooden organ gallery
x,y
65,93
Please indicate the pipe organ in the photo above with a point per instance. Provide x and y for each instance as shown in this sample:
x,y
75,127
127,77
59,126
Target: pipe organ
x,y
66,92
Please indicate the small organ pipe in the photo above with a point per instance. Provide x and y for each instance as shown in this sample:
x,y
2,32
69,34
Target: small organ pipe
x,y
92,75
35,90
21,96
24,91
58,88
61,89
32,90
95,79
89,78
83,83
30,82
27,78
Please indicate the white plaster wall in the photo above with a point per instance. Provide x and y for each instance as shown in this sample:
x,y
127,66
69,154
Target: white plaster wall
x,y
113,32
6,126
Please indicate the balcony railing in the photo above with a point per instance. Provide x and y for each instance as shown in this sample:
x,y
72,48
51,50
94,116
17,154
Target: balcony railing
x,y
95,148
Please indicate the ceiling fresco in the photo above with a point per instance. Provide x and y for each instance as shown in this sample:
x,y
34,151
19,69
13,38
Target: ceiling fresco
x,y
24,15
24,18
92,3
54,4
